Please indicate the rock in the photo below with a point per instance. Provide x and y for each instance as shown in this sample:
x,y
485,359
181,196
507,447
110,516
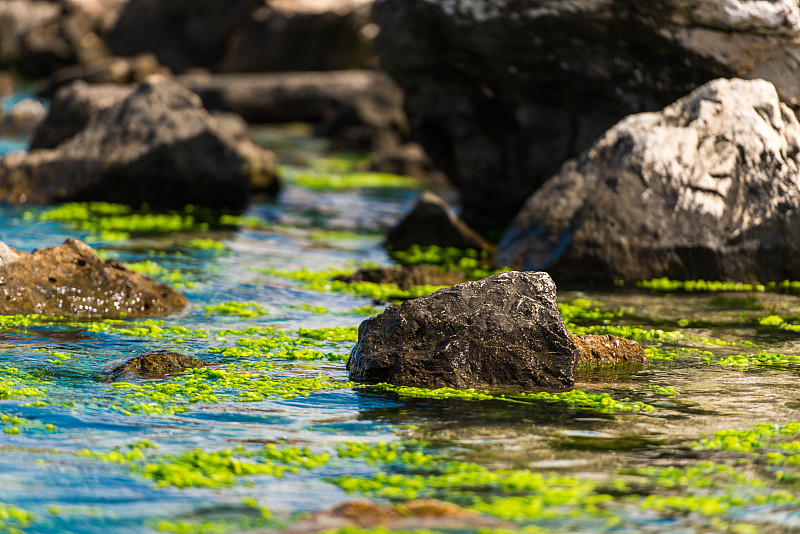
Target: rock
x,y
417,514
71,110
607,349
7,254
158,145
705,189
248,35
432,222
71,279
6,83
154,365
106,70
361,110
23,119
406,277
409,159
501,92
500,332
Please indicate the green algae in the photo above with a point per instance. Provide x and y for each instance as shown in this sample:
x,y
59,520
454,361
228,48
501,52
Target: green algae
x,y
152,269
663,390
665,285
13,519
16,384
351,180
245,310
475,264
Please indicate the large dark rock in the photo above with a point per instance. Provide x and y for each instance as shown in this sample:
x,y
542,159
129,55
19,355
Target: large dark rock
x,y
500,332
71,279
153,365
157,145
706,188
432,222
248,35
501,92
358,109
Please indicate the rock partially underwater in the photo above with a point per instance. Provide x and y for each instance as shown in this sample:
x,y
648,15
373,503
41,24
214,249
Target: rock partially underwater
x,y
607,349
71,279
707,188
500,332
153,365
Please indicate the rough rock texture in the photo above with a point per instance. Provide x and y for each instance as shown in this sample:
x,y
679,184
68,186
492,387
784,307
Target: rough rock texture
x,y
157,145
23,119
607,349
248,35
418,514
432,222
71,279
406,277
106,70
502,92
500,332
357,109
156,364
707,188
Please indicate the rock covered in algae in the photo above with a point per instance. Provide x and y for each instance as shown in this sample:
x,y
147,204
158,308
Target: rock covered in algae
x,y
71,279
593,349
155,364
500,332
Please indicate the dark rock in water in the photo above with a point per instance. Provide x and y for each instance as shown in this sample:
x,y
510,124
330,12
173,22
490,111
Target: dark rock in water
x,y
705,189
106,70
71,279
360,110
157,145
406,277
501,92
432,222
500,332
409,159
607,349
155,364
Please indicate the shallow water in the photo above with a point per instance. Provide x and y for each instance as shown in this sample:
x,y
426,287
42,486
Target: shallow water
x,y
41,470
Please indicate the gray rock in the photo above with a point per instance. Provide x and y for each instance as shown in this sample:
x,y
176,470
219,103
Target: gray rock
x,y
707,188
501,92
432,222
7,254
154,365
358,109
500,332
157,145
71,279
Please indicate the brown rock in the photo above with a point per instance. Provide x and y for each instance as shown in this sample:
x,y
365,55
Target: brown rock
x,y
406,277
409,159
594,349
23,119
71,279
155,364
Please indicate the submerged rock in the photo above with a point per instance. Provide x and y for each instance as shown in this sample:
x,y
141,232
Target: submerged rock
x,y
432,222
156,145
406,277
708,188
500,332
501,92
593,349
71,279
156,364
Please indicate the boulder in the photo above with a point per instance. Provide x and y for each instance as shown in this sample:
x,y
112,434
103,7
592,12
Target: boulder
x,y
361,110
71,279
106,70
248,35
22,119
6,83
705,189
607,349
406,277
157,145
432,222
156,364
502,332
408,159
501,92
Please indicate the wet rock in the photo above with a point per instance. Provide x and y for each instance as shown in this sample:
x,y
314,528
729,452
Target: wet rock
x,y
501,93
705,189
406,277
155,365
432,222
23,119
6,84
607,349
157,145
500,332
7,254
409,159
360,110
248,35
106,70
71,279
418,514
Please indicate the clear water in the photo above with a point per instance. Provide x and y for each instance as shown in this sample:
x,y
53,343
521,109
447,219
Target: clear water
x,y
41,472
